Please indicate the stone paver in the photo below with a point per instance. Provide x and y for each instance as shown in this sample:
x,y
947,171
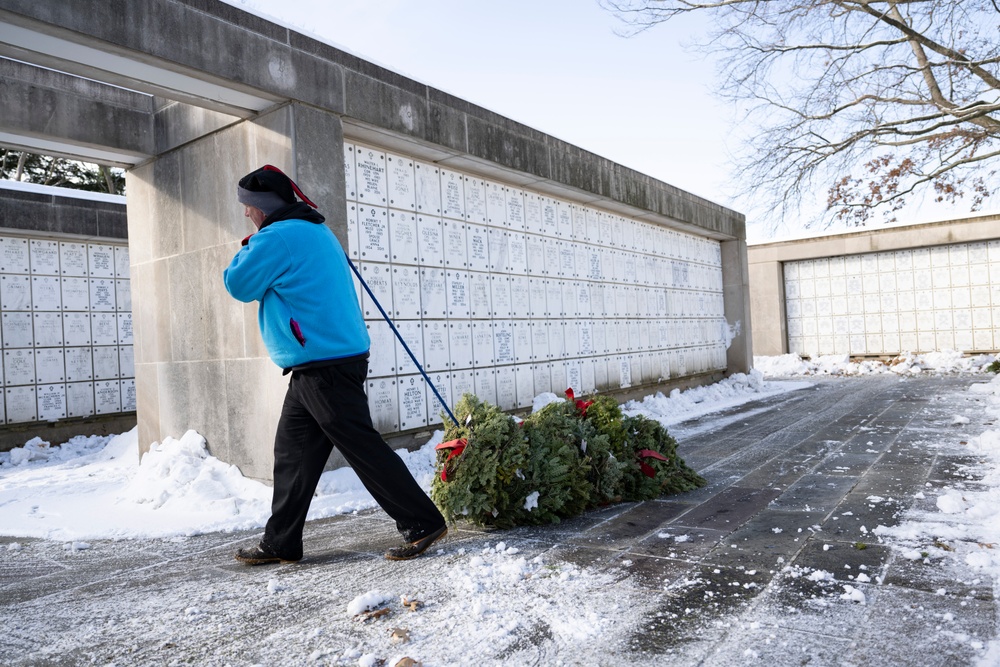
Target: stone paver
x,y
793,488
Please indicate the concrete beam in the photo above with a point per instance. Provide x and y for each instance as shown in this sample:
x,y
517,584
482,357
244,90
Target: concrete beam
x,y
210,54
55,113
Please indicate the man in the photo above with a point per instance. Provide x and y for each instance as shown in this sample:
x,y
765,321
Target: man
x,y
311,323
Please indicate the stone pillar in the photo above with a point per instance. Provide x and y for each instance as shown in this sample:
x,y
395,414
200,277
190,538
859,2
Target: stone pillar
x,y
736,293
200,362
768,308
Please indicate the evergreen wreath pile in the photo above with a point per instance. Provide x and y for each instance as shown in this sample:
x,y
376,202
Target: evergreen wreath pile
x,y
568,457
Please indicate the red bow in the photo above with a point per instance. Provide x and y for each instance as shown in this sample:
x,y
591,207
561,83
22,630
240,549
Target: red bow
x,y
647,469
456,447
580,405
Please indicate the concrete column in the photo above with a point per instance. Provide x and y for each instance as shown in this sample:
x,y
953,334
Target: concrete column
x,y
200,362
736,293
767,307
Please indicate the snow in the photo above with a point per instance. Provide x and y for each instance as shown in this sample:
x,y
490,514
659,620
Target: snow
x,y
907,363
97,487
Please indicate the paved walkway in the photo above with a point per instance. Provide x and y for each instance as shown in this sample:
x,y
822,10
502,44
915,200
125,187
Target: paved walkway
x,y
797,483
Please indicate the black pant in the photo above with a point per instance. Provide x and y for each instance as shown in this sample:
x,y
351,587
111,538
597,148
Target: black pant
x,y
326,407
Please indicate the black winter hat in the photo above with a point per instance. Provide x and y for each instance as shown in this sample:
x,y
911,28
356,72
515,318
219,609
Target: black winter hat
x,y
268,189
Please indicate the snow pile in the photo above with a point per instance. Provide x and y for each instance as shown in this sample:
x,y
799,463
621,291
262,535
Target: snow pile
x,y
37,449
697,401
182,476
948,361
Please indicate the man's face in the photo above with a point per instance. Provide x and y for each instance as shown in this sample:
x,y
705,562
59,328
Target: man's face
x,y
256,215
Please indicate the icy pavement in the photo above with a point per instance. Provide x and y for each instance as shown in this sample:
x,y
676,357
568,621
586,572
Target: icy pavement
x,y
835,530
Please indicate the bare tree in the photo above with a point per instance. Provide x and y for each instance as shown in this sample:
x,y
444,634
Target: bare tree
x,y
872,102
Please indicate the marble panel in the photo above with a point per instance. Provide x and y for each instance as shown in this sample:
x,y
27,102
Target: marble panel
x,y
405,292
436,353
540,341
382,355
482,344
486,384
624,372
503,342
101,260
536,254
412,332
571,339
428,194
462,382
499,245
430,241
73,259
460,344
570,299
557,373
126,361
550,220
541,377
107,397
353,243
564,220
18,330
587,377
400,182
524,379
123,294
370,170
412,402
104,328
533,213
458,294
433,293
103,295
14,255
557,339
403,244
44,257
518,252
51,402
79,399
79,364
22,407
554,298
76,328
506,383
475,200
452,195
515,210
128,395
478,250
106,362
125,336
48,329
520,303
19,367
455,247
481,303
378,277
496,204
550,250
501,298
584,330
442,383
574,377
373,233
76,294
383,402
15,292
522,341
350,172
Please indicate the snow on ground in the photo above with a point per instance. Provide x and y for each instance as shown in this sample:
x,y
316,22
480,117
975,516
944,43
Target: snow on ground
x,y
947,361
96,487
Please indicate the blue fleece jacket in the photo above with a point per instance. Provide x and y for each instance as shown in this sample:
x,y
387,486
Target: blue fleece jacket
x,y
308,310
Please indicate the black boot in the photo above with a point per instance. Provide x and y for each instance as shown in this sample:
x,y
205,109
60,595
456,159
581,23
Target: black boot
x,y
414,549
261,555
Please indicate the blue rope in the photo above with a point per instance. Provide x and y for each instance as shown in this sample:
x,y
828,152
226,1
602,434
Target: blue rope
x,y
400,337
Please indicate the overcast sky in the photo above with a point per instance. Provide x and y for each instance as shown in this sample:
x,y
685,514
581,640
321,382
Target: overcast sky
x,y
555,65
